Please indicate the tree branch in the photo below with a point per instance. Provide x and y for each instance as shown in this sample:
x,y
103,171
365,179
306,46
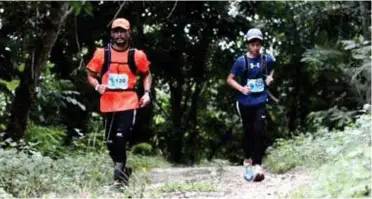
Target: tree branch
x,y
79,49
117,13
67,13
174,7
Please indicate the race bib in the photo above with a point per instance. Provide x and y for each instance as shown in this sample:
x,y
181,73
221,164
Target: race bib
x,y
256,85
117,81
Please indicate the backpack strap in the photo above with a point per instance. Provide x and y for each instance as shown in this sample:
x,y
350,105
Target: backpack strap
x,y
246,70
107,60
264,71
131,61
264,64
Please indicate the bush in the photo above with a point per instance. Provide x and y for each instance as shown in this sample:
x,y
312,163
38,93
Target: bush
x,y
49,141
340,160
34,175
349,176
142,149
4,194
25,175
46,140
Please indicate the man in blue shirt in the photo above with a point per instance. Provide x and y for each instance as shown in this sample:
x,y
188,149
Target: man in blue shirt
x,y
255,71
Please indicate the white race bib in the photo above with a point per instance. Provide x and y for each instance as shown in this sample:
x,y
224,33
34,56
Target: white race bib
x,y
117,81
256,85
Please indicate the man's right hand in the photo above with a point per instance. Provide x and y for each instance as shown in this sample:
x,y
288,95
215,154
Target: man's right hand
x,y
245,90
101,88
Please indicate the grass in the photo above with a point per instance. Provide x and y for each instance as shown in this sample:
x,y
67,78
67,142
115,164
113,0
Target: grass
x,y
145,163
23,175
339,161
189,186
176,187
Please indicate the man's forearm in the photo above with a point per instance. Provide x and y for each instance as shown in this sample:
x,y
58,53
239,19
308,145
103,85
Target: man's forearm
x,y
147,81
92,80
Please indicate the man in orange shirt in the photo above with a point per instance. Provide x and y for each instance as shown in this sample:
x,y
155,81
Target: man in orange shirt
x,y
119,101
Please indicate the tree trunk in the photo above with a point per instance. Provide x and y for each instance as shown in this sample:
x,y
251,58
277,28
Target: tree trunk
x,y
39,55
178,131
201,77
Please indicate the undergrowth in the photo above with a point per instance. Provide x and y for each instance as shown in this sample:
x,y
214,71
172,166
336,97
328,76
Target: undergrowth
x,y
339,161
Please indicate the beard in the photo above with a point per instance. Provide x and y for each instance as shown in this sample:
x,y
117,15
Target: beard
x,y
120,42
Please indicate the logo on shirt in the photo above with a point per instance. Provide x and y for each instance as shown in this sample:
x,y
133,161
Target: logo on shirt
x,y
252,65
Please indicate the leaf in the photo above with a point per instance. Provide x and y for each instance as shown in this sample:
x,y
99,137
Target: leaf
x,y
349,44
77,5
21,67
12,85
82,106
88,8
2,126
70,92
41,118
75,102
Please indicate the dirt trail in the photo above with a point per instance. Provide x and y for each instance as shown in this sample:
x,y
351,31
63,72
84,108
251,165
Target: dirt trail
x,y
228,182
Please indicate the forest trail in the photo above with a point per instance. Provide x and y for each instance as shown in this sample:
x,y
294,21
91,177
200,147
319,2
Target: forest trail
x,y
221,182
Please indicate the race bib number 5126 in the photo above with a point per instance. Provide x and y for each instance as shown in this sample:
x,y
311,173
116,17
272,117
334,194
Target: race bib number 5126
x,y
118,81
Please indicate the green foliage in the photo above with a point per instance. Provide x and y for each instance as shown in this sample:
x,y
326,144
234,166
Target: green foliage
x,y
94,137
49,141
142,149
359,73
314,149
93,141
348,176
46,140
82,5
145,163
343,159
332,118
346,71
4,103
4,194
34,175
346,63
10,85
54,95
95,121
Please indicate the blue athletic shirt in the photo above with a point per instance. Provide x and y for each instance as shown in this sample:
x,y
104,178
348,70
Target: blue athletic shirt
x,y
254,72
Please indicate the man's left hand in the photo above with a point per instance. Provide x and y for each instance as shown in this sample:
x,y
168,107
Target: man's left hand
x,y
145,100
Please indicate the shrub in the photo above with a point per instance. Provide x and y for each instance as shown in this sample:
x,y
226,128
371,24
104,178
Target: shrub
x,y
142,149
340,161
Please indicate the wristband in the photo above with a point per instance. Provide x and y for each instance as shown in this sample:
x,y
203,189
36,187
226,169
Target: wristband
x,y
96,88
